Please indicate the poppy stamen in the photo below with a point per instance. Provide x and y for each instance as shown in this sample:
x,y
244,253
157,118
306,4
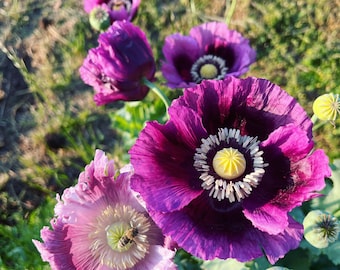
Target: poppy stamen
x,y
208,67
229,175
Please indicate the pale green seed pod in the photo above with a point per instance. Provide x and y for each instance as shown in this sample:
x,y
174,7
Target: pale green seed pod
x,y
99,19
320,228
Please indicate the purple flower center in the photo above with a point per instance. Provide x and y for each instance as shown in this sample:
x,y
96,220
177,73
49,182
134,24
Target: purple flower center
x,y
119,4
208,67
231,165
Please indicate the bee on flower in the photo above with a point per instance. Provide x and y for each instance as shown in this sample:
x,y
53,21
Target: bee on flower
x,y
100,223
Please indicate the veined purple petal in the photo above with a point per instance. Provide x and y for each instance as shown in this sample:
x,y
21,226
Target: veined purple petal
x,y
277,246
290,145
209,43
177,70
258,109
234,216
174,158
115,68
125,12
238,240
286,145
56,248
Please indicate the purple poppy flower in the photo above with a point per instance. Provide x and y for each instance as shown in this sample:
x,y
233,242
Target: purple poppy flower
x,y
221,176
101,224
118,9
115,68
211,51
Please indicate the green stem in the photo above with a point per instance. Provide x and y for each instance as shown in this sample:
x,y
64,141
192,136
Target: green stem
x,y
158,92
337,214
230,12
317,124
193,6
314,119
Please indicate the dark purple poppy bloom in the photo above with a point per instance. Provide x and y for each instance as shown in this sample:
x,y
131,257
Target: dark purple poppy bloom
x,y
221,176
211,51
115,68
118,9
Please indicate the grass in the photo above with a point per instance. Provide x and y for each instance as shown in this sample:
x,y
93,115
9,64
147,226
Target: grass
x,y
54,126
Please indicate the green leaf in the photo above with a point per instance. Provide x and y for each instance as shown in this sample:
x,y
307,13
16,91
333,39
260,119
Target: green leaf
x,y
258,264
186,261
333,252
218,264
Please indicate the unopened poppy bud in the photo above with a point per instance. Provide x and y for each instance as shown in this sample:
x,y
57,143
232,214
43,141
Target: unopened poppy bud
x,y
327,107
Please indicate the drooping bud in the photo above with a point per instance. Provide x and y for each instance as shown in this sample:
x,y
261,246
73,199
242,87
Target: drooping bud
x,y
327,107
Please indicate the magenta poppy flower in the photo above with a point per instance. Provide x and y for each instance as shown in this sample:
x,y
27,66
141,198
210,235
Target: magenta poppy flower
x,y
211,51
116,67
101,224
221,176
118,9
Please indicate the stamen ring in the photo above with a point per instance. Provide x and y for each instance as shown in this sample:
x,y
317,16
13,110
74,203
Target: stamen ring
x,y
208,67
237,187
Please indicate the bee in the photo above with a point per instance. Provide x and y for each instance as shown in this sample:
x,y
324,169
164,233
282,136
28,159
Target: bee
x,y
128,237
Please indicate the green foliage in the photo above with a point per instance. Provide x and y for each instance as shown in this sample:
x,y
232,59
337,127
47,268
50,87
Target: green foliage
x,y
218,264
129,120
186,261
17,250
297,48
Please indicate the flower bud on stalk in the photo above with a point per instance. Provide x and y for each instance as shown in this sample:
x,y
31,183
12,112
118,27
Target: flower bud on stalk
x,y
326,107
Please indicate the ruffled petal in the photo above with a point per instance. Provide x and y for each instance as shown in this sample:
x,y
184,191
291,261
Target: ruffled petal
x,y
180,53
277,246
269,107
215,38
278,194
56,247
216,102
116,67
164,174
240,241
205,34
158,258
174,45
255,106
188,125
104,168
